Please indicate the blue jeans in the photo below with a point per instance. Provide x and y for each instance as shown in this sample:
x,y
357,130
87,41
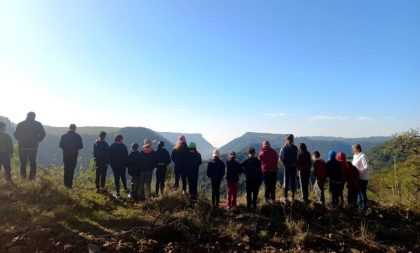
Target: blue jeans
x,y
362,193
119,174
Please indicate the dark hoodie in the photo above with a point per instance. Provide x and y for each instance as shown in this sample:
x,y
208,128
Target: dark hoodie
x,y
333,168
216,170
180,156
134,164
233,169
252,168
193,162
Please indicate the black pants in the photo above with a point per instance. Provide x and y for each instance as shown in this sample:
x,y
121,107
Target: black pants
x,y
70,163
192,183
24,156
352,197
101,168
341,194
5,162
180,173
160,179
252,190
215,192
334,193
270,180
119,174
290,180
304,183
135,188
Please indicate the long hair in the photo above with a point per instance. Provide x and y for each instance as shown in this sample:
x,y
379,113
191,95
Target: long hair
x,y
302,149
288,143
178,145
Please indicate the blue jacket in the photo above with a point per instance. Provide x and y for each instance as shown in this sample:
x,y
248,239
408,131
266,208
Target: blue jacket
x,y
118,154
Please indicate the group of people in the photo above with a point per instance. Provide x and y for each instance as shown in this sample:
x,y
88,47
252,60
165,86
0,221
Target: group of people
x,y
141,162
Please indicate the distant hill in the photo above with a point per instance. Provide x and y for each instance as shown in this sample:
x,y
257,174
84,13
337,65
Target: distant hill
x,y
203,146
320,143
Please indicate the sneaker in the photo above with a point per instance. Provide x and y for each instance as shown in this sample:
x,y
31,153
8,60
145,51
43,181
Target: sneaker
x,y
117,195
129,196
184,193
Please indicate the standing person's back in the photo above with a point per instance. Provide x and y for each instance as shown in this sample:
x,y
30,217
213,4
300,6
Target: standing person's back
x,y
320,174
29,134
269,160
216,172
289,156
6,152
193,166
334,175
304,164
254,178
70,143
342,159
163,160
352,184
179,157
101,156
134,169
233,169
118,154
148,163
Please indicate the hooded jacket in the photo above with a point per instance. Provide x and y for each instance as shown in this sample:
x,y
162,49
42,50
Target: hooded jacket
x,y
333,168
233,169
320,170
29,133
353,178
269,159
101,151
342,159
118,154
289,156
193,162
216,170
134,164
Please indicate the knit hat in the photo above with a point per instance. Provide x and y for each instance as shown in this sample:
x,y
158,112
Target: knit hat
x,y
182,139
232,154
251,150
147,142
193,145
216,153
290,137
134,146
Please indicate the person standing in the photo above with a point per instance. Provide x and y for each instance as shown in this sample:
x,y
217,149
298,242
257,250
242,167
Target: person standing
x,y
134,168
352,185
6,152
254,178
304,165
360,161
29,133
70,143
193,166
148,163
216,172
100,155
334,176
342,159
163,160
118,154
269,161
320,174
233,170
179,157
289,156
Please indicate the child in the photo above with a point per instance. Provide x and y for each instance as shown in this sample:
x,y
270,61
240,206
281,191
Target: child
x,y
334,175
342,159
233,169
254,178
352,185
134,167
6,151
193,166
100,154
269,161
118,154
163,160
304,165
320,173
179,157
148,164
216,172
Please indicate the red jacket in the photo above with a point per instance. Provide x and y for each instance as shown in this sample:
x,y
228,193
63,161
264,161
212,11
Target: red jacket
x,y
320,170
269,159
341,157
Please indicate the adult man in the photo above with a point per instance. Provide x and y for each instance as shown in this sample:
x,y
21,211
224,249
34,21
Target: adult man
x,y
29,133
70,143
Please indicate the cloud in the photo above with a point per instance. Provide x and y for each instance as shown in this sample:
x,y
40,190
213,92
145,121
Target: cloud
x,y
328,117
274,114
365,118
180,110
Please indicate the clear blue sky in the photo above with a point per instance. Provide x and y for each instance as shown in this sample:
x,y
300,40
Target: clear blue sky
x,y
340,68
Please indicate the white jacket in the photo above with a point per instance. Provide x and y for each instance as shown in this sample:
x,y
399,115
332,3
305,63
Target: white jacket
x,y
361,163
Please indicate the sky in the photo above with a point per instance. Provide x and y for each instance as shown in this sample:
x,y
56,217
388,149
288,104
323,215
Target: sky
x,y
221,68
